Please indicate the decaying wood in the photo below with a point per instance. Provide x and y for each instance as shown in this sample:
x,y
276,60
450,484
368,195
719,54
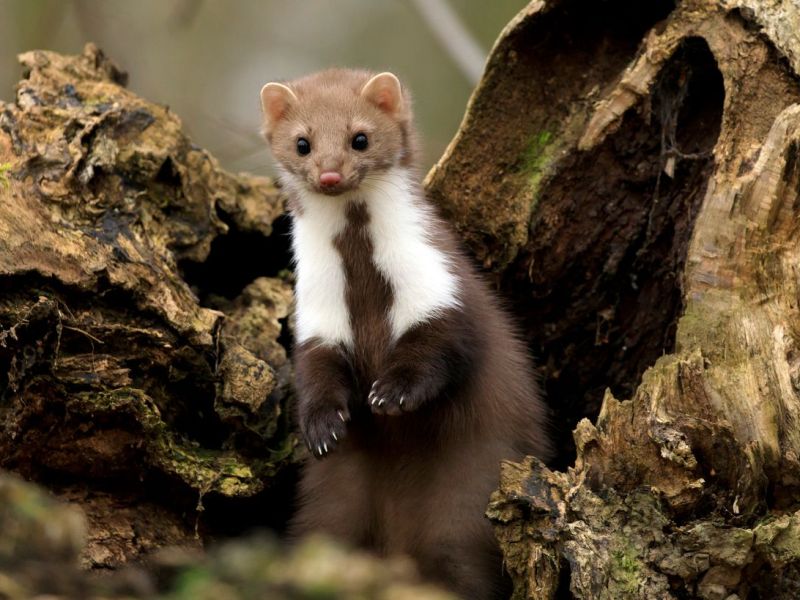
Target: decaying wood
x,y
643,145
629,172
119,389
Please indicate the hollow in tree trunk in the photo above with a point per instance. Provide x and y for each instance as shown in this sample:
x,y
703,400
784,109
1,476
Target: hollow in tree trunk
x,y
631,174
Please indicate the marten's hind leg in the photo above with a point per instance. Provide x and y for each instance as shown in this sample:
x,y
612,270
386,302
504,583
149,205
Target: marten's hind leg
x,y
467,562
333,499
456,543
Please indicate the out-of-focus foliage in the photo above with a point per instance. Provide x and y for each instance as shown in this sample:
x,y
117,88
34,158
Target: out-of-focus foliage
x,y
207,59
41,539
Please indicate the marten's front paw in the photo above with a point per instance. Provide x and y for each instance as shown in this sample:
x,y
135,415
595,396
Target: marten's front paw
x,y
324,429
393,395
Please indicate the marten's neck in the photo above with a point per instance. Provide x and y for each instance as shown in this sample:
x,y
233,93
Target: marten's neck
x,y
401,231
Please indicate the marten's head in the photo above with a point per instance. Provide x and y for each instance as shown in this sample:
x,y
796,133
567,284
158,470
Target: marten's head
x,y
332,130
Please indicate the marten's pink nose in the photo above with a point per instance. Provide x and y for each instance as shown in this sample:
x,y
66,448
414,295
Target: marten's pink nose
x,y
329,178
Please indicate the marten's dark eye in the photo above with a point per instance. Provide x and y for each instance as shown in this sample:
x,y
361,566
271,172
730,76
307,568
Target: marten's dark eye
x,y
303,146
360,142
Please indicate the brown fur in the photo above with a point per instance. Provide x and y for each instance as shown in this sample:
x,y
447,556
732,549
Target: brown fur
x,y
412,478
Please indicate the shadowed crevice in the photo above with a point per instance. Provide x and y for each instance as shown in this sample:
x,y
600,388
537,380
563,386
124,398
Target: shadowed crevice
x,y
237,258
601,293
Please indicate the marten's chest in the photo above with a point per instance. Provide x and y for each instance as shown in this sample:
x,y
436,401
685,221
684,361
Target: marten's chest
x,y
368,271
368,295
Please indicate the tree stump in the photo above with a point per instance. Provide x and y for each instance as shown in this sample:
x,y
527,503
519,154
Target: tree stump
x,y
124,389
631,174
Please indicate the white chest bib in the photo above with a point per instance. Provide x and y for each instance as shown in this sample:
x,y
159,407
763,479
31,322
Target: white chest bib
x,y
420,275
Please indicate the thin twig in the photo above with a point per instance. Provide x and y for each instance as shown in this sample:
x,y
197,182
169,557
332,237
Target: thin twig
x,y
86,333
459,43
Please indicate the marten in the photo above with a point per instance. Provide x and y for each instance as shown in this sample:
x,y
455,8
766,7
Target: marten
x,y
411,382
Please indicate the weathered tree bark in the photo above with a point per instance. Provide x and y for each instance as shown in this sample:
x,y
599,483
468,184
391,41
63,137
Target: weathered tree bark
x,y
121,391
631,173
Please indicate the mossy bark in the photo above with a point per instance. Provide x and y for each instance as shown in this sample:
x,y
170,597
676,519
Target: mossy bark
x,y
652,246
119,389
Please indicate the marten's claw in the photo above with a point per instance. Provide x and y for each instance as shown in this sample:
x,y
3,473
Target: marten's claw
x,y
393,398
372,397
324,431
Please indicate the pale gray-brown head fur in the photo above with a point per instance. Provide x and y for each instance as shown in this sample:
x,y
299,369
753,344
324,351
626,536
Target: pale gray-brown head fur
x,y
328,109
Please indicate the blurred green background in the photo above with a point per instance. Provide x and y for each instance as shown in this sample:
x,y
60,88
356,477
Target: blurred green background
x,y
207,59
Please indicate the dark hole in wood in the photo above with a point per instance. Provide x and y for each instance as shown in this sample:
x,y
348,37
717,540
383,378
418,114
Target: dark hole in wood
x,y
562,590
237,258
601,300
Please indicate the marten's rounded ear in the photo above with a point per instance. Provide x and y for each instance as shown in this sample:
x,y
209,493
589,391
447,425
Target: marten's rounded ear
x,y
275,100
384,91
